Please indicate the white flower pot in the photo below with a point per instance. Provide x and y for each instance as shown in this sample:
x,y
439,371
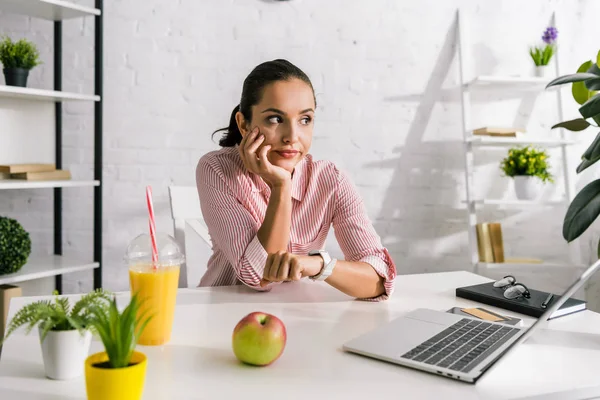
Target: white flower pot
x,y
64,353
542,71
527,187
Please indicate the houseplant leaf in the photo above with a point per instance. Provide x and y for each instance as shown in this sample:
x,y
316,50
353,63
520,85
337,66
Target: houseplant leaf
x,y
598,59
574,125
578,77
591,107
594,150
593,84
581,94
582,212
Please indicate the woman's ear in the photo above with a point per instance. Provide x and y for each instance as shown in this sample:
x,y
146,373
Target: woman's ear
x,y
241,123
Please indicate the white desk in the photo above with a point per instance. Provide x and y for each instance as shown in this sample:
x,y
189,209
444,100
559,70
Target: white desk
x,y
199,363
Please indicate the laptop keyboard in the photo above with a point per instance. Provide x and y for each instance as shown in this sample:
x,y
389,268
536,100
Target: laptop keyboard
x,y
462,346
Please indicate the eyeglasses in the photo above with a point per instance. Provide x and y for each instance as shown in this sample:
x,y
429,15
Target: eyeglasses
x,y
512,289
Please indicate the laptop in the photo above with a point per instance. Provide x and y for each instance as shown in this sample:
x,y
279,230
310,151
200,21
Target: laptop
x,y
451,345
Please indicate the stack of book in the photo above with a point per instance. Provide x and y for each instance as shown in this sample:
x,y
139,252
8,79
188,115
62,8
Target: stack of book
x,y
490,245
33,172
496,131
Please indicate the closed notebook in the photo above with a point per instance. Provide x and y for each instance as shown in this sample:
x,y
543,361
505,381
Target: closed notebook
x,y
488,294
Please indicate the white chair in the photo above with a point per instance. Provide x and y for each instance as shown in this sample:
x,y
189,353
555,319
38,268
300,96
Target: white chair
x,y
185,210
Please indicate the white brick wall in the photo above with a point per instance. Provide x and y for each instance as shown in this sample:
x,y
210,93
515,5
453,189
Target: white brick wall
x,y
388,110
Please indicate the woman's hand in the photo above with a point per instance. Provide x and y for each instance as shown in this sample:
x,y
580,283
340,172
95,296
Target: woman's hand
x,y
256,160
284,266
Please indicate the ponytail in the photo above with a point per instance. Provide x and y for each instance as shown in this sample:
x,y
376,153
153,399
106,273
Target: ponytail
x,y
232,134
252,91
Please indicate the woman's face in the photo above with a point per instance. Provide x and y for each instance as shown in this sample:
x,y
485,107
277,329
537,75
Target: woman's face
x,y
285,116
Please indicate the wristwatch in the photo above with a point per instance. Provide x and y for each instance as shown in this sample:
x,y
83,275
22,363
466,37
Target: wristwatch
x,y
328,265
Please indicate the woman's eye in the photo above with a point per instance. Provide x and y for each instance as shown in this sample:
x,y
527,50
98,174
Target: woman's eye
x,y
274,119
305,120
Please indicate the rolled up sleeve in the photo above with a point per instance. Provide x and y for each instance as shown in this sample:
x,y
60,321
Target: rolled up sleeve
x,y
357,237
231,226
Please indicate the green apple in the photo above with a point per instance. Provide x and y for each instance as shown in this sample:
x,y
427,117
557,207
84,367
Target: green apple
x,y
259,338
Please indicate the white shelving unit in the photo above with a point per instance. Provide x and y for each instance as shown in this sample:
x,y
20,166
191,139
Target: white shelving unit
x,y
58,10
46,266
470,83
43,95
16,184
53,10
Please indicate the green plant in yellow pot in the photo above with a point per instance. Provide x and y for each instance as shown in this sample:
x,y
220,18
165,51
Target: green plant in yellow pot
x,y
119,372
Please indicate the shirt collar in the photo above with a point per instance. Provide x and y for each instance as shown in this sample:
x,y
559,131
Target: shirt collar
x,y
298,184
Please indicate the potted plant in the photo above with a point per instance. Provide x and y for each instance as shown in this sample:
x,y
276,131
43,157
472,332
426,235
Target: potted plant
x,y
18,58
15,246
585,207
119,372
64,332
541,55
528,167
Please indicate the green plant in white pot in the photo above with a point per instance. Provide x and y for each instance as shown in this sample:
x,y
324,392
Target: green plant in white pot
x,y
17,59
65,333
529,168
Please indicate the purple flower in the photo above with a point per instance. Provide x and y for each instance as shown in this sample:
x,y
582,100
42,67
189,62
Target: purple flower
x,y
550,35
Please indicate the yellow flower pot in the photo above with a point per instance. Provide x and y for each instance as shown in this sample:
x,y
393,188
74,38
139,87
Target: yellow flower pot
x,y
115,383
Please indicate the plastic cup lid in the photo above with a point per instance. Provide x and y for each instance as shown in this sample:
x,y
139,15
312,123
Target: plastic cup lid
x,y
140,250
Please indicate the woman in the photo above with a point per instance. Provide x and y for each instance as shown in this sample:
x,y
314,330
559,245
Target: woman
x,y
269,206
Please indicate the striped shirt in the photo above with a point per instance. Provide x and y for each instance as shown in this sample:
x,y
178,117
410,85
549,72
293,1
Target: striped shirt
x,y
234,202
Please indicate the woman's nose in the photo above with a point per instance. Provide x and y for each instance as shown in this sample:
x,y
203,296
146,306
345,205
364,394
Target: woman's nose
x,y
291,134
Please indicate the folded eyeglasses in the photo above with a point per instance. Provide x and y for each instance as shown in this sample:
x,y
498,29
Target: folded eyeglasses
x,y
512,288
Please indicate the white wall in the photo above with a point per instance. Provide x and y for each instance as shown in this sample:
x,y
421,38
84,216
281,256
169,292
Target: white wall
x,y
385,74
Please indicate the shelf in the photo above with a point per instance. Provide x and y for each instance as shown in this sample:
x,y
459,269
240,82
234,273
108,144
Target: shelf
x,y
20,184
517,203
43,95
513,82
515,141
54,10
45,266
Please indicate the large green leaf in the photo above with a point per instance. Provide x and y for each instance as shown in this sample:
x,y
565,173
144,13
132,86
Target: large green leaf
x,y
593,84
594,150
578,77
574,125
598,59
591,107
582,212
586,163
581,94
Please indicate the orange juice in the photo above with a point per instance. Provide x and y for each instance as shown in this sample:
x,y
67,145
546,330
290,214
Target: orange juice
x,y
157,291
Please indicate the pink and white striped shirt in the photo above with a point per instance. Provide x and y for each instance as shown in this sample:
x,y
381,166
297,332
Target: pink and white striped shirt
x,y
234,202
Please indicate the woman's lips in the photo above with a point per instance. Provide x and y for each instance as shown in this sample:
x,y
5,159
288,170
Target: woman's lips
x,y
287,153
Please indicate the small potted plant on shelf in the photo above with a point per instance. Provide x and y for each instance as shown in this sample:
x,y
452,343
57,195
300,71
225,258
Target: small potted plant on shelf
x,y
18,58
119,372
65,332
542,55
528,167
15,246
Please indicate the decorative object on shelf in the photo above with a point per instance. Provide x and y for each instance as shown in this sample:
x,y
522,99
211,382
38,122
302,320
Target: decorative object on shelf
x,y
65,332
497,131
541,55
15,246
18,58
489,242
119,372
528,167
585,207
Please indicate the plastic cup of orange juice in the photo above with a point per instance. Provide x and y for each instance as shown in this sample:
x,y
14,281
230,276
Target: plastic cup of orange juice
x,y
155,283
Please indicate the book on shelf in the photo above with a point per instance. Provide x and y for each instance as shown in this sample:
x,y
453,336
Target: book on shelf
x,y
490,246
497,131
55,175
22,168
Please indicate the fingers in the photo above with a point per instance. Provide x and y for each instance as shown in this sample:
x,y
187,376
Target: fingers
x,y
272,266
252,147
284,267
262,155
295,272
249,138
